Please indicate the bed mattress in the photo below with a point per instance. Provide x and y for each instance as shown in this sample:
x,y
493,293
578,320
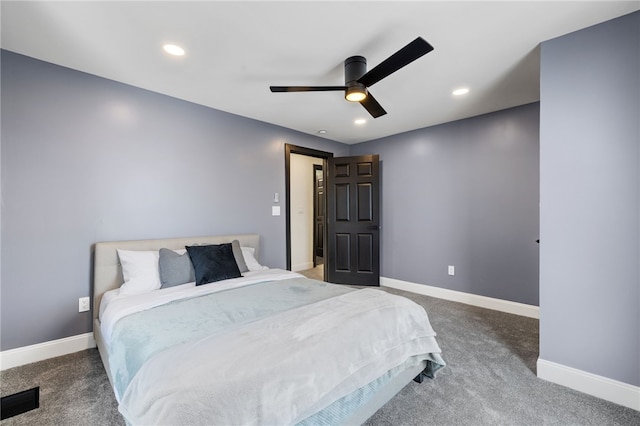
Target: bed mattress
x,y
254,350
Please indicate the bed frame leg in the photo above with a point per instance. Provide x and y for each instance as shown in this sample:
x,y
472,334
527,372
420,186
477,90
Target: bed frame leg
x,y
419,378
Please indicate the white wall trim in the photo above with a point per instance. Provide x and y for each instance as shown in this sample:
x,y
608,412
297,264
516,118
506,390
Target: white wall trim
x,y
302,266
41,351
602,387
507,306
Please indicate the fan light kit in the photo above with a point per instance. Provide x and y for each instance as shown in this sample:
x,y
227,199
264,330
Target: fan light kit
x,y
355,94
357,80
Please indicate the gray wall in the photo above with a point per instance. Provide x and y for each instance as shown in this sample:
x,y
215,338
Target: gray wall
x,y
85,159
463,194
590,200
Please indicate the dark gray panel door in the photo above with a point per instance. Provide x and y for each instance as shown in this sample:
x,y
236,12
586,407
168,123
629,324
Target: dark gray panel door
x,y
353,225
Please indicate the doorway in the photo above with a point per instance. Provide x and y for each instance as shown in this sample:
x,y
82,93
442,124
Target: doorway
x,y
349,225
318,215
305,205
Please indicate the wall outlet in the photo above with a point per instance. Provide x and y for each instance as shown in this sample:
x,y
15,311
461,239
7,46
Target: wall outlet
x,y
83,304
452,270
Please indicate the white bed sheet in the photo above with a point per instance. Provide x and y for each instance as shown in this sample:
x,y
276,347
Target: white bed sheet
x,y
115,306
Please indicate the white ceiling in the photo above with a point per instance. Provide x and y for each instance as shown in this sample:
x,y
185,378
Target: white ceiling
x,y
236,50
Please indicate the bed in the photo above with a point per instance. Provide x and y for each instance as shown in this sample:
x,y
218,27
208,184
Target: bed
x,y
269,347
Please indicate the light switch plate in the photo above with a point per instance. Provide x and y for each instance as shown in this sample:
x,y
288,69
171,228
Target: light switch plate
x,y
275,210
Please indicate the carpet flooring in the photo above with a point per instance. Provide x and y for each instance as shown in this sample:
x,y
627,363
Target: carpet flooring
x,y
489,380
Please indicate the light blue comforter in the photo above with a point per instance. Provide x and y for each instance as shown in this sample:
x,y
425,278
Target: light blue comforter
x,y
164,358
136,338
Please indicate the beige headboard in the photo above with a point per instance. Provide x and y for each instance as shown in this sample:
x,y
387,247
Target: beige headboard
x,y
107,273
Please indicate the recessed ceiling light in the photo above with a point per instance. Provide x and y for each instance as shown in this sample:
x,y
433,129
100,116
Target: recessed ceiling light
x,y
360,121
322,132
461,91
173,49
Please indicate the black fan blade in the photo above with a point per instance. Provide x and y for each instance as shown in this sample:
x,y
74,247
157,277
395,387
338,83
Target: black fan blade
x,y
306,88
412,51
370,104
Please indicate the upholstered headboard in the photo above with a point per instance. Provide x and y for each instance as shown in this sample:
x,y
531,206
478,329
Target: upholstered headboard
x,y
107,273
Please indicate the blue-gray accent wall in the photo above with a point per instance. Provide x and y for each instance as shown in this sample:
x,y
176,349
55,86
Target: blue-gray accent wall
x,y
86,159
464,194
590,200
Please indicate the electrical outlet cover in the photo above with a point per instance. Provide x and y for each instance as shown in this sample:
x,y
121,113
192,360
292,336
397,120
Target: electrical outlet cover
x,y
83,304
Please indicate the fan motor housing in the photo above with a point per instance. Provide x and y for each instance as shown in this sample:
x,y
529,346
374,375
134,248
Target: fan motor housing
x,y
354,68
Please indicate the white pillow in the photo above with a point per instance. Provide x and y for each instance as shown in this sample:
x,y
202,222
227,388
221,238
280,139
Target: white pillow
x,y
250,260
139,270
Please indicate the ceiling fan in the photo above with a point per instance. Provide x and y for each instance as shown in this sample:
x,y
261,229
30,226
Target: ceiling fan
x,y
357,79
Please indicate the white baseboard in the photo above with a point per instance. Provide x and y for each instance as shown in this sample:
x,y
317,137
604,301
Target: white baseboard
x,y
41,351
302,266
602,387
507,306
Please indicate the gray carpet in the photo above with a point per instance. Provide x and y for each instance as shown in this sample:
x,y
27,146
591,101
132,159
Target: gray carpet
x,y
74,390
489,380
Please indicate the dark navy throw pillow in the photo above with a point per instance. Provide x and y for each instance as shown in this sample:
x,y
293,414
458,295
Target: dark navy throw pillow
x,y
213,263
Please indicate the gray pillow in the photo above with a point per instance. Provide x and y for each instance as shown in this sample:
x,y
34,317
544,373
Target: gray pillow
x,y
237,253
175,269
